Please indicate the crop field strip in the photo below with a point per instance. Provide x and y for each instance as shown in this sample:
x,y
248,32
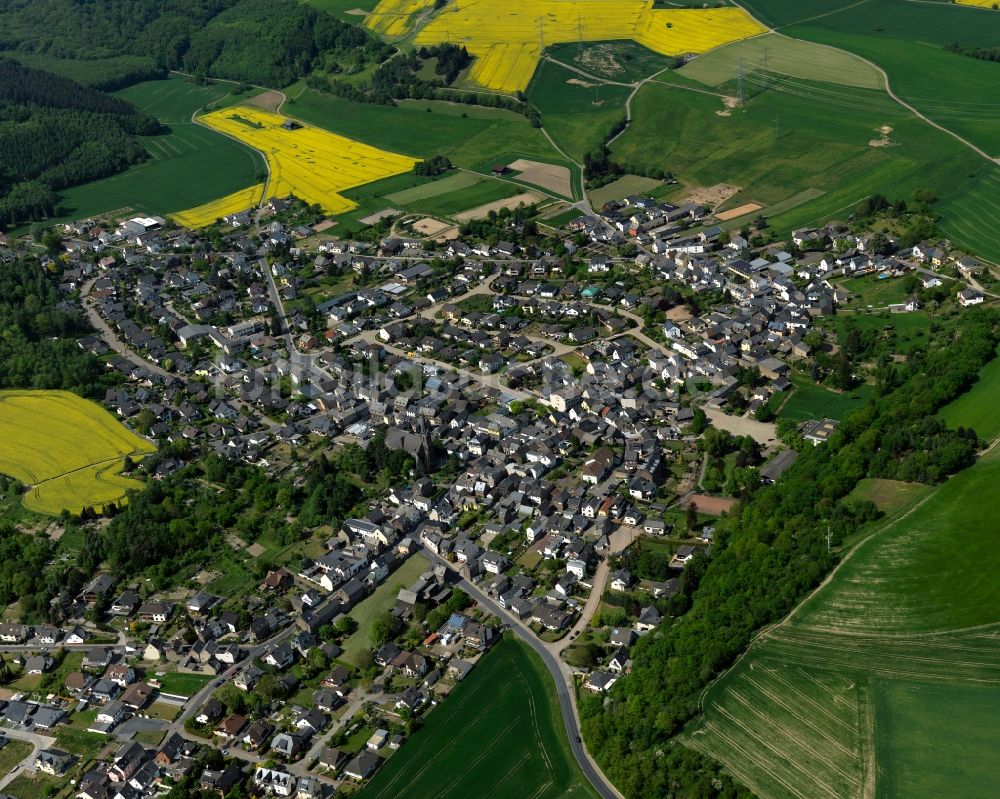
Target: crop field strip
x,y
508,40
189,165
208,213
779,707
491,732
313,164
70,451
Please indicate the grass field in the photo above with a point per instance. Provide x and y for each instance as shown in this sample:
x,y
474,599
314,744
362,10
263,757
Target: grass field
x,y
978,408
869,290
889,496
189,164
508,40
886,681
577,114
774,53
624,61
904,331
313,164
382,600
810,401
500,734
68,450
12,754
183,684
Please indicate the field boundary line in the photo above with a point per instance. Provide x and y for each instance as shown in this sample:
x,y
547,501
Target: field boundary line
x,y
885,78
769,629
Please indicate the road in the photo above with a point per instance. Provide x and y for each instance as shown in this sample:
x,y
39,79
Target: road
x,y
111,338
37,742
885,80
371,337
560,673
621,539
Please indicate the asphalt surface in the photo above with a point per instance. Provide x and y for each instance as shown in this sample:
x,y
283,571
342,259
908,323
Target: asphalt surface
x,y
593,774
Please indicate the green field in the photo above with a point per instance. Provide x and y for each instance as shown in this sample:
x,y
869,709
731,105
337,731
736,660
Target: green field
x,y
456,192
622,61
499,733
774,53
889,496
189,165
67,450
791,139
434,188
906,39
576,113
810,401
848,696
904,331
183,684
381,601
933,738
481,191
869,290
467,134
978,408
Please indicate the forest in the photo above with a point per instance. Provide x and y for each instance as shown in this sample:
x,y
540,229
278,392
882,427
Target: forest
x,y
38,346
109,43
772,551
56,133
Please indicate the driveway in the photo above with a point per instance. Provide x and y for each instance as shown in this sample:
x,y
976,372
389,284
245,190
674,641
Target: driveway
x,y
37,742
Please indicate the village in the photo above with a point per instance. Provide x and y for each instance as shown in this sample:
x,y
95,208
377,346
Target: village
x,y
553,404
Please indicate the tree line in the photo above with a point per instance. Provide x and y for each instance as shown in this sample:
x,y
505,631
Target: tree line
x,y
56,133
397,79
266,42
769,553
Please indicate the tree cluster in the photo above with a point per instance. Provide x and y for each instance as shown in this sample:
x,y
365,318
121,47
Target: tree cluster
x,y
266,42
56,133
771,551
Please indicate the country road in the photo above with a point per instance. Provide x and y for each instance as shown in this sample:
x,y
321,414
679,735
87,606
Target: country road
x,y
560,673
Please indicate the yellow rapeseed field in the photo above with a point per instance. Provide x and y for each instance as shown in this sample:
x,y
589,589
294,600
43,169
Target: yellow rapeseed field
x,y
311,163
508,38
980,3
69,451
206,214
396,17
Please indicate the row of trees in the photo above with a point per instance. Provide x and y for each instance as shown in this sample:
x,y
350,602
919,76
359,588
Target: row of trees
x,y
398,78
768,555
